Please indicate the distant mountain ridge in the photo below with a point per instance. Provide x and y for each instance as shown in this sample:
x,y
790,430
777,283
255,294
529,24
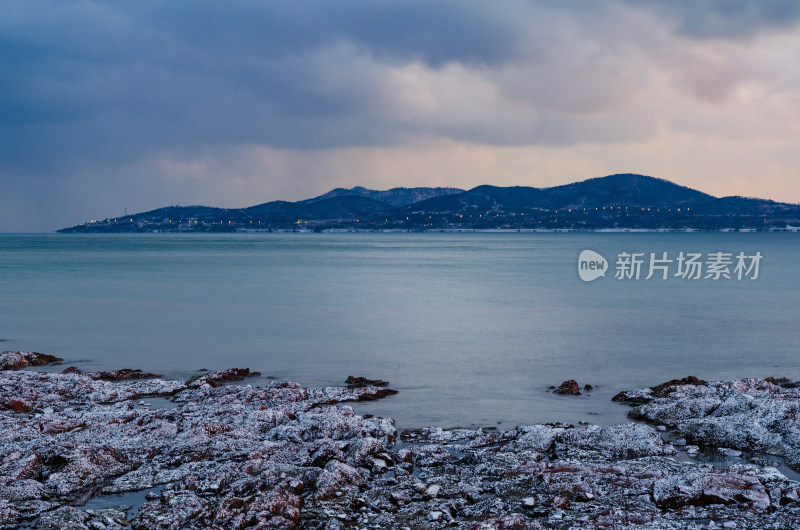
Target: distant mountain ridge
x,y
615,201
623,189
393,197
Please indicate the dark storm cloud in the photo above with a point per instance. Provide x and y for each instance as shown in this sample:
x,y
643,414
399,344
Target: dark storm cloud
x,y
98,98
435,32
128,75
108,80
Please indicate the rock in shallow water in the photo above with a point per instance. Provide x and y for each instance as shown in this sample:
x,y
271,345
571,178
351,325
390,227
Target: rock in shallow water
x,y
16,360
363,381
570,388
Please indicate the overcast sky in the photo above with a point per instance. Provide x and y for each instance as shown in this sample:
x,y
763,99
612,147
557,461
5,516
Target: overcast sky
x,y
107,105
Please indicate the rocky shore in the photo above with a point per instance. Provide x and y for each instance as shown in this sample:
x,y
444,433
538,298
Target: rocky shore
x,y
217,455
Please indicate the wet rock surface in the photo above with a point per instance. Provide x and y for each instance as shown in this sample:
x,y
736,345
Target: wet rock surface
x,y
783,382
16,360
645,395
570,388
285,456
363,381
113,375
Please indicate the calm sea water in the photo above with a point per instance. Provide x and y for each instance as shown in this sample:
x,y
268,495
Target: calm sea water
x,y
470,328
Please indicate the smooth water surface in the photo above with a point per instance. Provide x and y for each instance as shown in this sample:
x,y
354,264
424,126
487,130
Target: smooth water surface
x,y
471,328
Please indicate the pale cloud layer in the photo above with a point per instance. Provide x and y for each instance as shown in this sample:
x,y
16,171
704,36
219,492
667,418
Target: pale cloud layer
x,y
105,105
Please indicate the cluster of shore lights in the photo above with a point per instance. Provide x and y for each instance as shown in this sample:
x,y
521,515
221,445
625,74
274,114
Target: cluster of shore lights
x,y
598,208
299,221
619,208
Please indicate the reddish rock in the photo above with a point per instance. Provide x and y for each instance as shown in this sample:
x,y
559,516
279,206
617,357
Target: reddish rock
x,y
16,405
378,394
224,376
646,395
560,501
727,487
121,375
785,382
665,388
58,427
278,508
16,360
570,388
629,397
363,381
336,477
180,510
406,455
19,466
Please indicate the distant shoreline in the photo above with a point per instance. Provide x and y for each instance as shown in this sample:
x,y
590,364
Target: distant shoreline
x,y
528,230
788,229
